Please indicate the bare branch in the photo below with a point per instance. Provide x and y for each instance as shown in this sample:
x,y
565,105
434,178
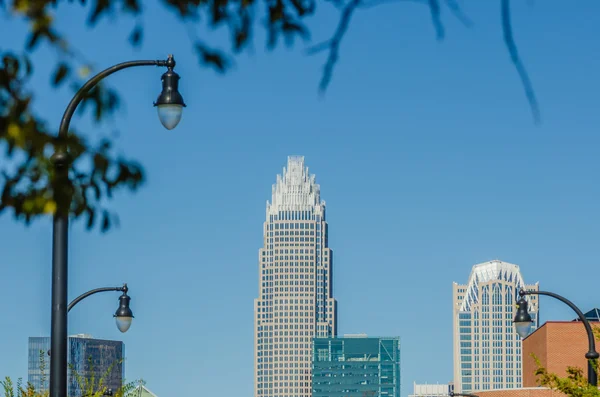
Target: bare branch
x,y
434,8
457,12
334,44
516,60
319,47
375,3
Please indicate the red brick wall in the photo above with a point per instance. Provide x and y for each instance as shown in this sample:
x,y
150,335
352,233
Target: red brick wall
x,y
537,392
557,345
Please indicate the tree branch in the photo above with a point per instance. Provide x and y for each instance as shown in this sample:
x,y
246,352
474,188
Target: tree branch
x,y
457,12
334,44
434,8
517,62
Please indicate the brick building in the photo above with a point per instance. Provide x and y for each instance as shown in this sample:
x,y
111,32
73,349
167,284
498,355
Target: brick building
x,y
523,392
558,345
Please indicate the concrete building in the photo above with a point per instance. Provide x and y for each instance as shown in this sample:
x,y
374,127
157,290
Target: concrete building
x,y
356,366
557,345
487,350
90,358
430,390
295,284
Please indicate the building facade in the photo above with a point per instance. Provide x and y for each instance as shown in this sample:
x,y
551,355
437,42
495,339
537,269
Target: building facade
x,y
90,358
522,392
356,366
431,390
557,345
295,285
487,350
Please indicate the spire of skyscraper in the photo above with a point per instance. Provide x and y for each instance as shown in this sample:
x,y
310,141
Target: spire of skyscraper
x,y
295,190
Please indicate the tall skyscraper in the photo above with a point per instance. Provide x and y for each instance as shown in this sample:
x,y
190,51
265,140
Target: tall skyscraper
x,y
487,350
90,358
295,285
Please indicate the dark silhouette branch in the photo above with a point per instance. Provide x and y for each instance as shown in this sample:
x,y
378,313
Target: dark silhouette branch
x,y
375,3
436,18
334,44
457,12
517,62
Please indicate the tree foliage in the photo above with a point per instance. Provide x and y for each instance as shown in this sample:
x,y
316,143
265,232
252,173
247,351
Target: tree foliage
x,y
29,187
9,389
89,384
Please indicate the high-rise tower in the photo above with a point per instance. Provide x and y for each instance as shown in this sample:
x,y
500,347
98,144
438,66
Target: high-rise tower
x,y
295,285
487,349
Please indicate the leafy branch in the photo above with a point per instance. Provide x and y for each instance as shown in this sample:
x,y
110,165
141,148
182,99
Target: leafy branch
x,y
28,185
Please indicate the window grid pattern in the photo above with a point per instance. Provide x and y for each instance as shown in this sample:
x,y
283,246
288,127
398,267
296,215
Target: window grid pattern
x,y
487,350
356,367
295,301
91,358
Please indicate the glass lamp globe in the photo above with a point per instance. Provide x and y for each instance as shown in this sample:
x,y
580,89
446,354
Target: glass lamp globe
x,y
123,323
169,115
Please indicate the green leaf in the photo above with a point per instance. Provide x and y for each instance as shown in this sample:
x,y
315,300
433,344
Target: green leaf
x,y
135,38
60,74
213,58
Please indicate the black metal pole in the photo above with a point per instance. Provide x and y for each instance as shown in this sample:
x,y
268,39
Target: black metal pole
x,y
592,354
58,333
60,232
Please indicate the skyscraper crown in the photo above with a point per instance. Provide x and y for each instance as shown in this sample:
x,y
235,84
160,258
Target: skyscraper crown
x,y
295,190
490,271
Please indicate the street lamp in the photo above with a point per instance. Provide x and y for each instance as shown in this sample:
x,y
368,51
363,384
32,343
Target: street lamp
x,y
170,102
523,322
123,315
452,394
170,105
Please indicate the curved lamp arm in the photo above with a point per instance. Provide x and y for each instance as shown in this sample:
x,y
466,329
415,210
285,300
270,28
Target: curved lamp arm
x,y
95,291
592,354
91,83
452,394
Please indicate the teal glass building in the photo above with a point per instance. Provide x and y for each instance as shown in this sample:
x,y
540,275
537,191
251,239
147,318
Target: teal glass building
x,y
90,358
356,366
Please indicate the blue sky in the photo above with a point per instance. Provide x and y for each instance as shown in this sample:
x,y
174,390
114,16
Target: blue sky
x,y
425,151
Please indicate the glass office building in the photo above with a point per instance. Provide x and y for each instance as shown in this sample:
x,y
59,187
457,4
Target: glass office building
x,y
90,358
356,366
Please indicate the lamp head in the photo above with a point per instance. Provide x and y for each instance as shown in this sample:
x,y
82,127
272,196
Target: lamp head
x,y
522,319
124,315
170,102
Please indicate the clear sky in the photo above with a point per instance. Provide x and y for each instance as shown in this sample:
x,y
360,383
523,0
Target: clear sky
x,y
425,151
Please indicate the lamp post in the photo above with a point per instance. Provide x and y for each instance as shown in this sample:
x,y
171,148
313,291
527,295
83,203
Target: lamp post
x,y
170,106
123,315
452,394
523,321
